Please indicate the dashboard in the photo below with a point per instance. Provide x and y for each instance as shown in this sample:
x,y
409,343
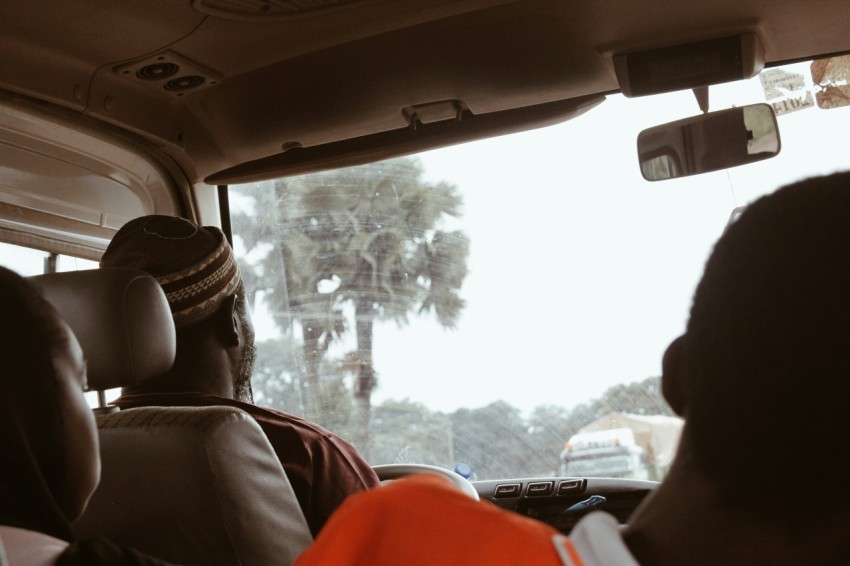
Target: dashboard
x,y
554,500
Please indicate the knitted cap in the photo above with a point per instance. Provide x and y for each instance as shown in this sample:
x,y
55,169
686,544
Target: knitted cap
x,y
193,264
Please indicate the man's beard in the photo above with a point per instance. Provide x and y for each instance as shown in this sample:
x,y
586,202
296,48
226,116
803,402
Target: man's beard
x,y
242,390
242,379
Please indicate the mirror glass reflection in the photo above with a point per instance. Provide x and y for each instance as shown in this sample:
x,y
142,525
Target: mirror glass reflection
x,y
708,142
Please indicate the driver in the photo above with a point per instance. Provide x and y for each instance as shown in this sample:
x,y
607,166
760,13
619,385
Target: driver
x,y
761,378
215,356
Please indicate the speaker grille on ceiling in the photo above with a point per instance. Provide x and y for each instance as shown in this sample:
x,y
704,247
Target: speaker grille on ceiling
x,y
157,71
250,10
184,83
169,73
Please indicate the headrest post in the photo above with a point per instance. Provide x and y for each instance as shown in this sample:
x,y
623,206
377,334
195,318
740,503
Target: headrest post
x,y
101,399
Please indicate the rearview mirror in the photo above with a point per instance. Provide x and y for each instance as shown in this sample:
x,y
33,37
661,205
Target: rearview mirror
x,y
708,142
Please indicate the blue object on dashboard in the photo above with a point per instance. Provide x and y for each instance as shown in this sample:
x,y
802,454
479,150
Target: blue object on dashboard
x,y
591,503
464,470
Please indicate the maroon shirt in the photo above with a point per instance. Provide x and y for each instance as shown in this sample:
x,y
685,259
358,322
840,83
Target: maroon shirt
x,y
323,468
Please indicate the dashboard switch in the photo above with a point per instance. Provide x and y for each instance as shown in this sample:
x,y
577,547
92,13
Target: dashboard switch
x,y
540,488
508,490
570,486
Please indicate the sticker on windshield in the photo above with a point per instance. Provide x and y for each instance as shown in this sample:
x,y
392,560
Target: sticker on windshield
x,y
786,91
830,76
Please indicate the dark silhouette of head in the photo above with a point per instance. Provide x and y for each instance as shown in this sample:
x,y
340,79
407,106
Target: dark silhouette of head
x,y
765,360
196,269
50,464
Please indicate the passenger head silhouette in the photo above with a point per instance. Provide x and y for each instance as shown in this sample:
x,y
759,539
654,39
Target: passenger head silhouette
x,y
766,355
48,438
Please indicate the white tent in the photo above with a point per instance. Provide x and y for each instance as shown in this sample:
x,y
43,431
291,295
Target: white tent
x,y
658,435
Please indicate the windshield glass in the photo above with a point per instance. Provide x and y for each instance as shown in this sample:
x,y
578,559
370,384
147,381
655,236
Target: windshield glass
x,y
505,304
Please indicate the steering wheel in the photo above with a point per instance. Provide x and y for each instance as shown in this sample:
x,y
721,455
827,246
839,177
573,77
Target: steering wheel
x,y
394,471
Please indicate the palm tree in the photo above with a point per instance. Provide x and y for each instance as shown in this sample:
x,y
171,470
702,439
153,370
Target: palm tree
x,y
365,240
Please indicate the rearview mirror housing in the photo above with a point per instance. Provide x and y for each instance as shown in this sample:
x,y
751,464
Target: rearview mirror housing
x,y
708,142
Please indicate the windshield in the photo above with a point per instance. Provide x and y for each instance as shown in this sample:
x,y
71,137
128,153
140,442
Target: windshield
x,y
492,304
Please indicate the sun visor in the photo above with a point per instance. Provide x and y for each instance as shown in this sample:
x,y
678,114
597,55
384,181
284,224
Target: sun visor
x,y
423,133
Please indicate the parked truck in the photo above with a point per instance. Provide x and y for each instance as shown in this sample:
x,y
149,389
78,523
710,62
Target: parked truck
x,y
622,445
609,453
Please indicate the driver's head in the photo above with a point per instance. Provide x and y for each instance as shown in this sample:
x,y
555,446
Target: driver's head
x,y
196,269
766,357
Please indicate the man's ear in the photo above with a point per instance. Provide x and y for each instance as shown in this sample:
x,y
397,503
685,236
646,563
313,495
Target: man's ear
x,y
674,384
229,321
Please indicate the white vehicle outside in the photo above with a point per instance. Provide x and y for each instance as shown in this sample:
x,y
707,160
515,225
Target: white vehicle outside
x,y
606,453
623,445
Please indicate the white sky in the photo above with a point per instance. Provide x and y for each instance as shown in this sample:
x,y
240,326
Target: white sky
x,y
569,288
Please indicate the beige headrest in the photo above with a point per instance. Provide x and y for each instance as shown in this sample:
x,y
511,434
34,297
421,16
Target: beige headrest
x,y
121,318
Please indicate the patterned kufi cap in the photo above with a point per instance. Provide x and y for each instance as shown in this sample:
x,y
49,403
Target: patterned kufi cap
x,y
194,264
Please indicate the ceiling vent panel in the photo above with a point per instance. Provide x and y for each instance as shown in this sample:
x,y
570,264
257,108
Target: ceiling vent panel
x,y
265,10
169,73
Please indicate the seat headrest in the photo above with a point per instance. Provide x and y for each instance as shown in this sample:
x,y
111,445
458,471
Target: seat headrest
x,y
121,319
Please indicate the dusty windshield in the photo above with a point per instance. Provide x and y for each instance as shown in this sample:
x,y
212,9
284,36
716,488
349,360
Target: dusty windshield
x,y
505,304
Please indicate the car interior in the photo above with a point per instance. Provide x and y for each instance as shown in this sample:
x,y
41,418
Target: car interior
x,y
203,108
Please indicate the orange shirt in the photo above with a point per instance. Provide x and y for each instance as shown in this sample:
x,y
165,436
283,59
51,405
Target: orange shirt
x,y
425,520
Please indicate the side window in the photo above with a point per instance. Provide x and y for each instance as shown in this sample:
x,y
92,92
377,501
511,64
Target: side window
x,y
28,261
25,261
70,263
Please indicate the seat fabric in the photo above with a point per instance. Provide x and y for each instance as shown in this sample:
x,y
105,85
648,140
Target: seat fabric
x,y
194,485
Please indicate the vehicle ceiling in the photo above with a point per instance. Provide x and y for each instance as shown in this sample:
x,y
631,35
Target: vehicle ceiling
x,y
311,73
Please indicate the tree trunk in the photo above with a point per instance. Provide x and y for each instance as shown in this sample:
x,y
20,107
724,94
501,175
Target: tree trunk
x,y
365,382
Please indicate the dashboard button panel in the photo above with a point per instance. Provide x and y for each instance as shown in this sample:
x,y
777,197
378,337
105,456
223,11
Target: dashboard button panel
x,y
507,490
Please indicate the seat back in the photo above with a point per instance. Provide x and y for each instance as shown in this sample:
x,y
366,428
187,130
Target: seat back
x,y
198,485
34,548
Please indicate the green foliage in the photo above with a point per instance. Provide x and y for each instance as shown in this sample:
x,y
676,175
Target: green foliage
x,y
408,432
495,439
366,241
641,398
279,382
371,232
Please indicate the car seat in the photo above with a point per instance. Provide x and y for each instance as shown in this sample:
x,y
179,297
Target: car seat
x,y
197,485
